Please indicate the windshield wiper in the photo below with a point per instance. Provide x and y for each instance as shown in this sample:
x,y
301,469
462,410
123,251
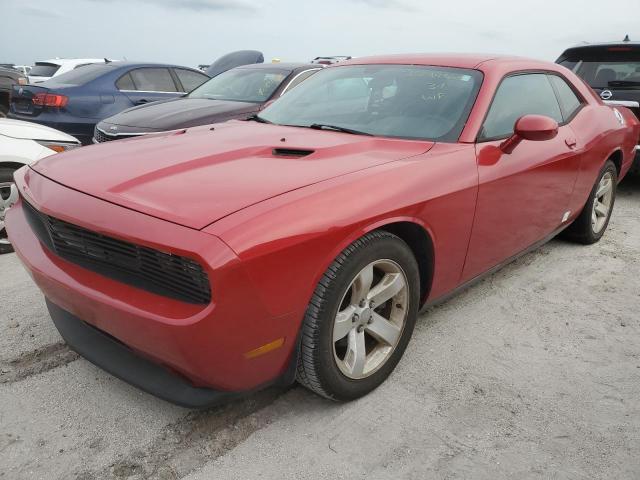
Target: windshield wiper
x,y
324,126
624,83
257,118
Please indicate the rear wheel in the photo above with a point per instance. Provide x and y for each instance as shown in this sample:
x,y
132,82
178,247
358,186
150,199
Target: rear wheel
x,y
8,194
592,222
360,318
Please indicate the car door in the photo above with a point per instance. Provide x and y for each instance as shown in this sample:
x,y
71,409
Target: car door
x,y
523,196
148,84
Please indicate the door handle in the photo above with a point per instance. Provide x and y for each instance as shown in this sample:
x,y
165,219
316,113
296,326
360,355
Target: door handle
x,y
142,101
571,142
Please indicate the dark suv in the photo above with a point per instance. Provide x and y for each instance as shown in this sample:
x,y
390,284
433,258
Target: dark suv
x,y
612,70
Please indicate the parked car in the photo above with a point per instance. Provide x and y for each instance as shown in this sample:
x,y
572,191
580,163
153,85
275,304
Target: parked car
x,y
43,71
22,143
76,101
233,60
234,94
8,78
330,60
612,70
200,264
24,69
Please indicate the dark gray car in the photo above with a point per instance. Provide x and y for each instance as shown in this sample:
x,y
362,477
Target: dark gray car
x,y
234,94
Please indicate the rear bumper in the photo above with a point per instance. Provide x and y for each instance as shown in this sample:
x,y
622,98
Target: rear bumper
x,y
208,345
113,356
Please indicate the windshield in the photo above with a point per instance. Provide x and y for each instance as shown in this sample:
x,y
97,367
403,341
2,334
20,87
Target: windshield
x,y
603,68
254,85
417,102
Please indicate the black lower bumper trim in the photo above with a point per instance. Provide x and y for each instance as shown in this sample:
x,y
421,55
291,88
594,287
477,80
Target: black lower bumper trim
x,y
109,354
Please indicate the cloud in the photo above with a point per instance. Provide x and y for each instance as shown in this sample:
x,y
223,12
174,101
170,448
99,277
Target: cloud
x,y
199,5
391,4
38,12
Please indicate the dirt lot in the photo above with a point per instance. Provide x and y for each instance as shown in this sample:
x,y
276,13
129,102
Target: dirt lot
x,y
533,373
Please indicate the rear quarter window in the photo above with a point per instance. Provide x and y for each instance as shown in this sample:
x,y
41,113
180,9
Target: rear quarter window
x,y
569,101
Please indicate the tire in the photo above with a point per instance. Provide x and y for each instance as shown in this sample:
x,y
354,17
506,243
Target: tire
x,y
4,111
584,229
331,368
6,177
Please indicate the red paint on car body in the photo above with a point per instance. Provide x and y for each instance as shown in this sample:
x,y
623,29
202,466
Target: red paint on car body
x,y
265,227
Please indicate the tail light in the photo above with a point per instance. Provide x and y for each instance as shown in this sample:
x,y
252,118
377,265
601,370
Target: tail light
x,y
50,100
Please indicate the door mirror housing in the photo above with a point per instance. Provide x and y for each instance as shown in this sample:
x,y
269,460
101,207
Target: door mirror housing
x,y
530,127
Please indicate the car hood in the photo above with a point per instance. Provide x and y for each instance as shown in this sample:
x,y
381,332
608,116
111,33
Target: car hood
x,y
195,177
179,113
32,131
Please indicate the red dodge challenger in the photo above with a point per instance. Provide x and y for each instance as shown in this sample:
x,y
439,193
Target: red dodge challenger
x,y
300,244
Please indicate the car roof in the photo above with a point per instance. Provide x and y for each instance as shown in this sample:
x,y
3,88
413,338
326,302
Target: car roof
x,y
283,66
456,60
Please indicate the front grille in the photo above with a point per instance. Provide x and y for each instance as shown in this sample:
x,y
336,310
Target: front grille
x,y
101,137
162,273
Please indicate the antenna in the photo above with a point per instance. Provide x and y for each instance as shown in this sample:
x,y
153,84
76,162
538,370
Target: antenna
x,y
626,38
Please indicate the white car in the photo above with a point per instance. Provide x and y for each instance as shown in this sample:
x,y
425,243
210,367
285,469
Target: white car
x,y
22,143
42,71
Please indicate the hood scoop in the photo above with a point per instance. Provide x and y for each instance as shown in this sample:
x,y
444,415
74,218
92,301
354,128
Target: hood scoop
x,y
291,152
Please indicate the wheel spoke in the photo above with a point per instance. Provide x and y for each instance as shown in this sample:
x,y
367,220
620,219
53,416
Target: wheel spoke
x,y
601,209
383,330
343,323
362,285
387,288
356,353
604,187
594,218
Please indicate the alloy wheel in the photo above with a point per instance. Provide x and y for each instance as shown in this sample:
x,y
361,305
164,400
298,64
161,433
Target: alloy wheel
x,y
371,318
602,203
8,196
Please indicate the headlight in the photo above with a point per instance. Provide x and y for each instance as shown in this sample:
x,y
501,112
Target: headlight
x,y
58,146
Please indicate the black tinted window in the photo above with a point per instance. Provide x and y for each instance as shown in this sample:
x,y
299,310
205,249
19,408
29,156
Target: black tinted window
x,y
190,79
569,101
605,67
153,80
41,69
125,83
520,95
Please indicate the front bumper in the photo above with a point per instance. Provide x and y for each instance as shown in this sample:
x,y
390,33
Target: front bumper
x,y
208,345
111,355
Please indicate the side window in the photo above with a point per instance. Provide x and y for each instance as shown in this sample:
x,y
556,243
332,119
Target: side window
x,y
125,83
153,80
520,95
190,80
299,79
569,102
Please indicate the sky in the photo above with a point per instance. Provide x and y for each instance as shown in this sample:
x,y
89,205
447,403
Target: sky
x,y
192,32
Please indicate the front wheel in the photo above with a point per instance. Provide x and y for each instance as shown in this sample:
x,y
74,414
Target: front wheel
x,y
8,194
360,318
592,222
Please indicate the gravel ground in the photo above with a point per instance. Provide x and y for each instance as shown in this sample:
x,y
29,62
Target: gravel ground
x,y
532,373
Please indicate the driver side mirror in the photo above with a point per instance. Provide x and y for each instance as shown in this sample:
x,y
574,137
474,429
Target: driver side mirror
x,y
530,127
